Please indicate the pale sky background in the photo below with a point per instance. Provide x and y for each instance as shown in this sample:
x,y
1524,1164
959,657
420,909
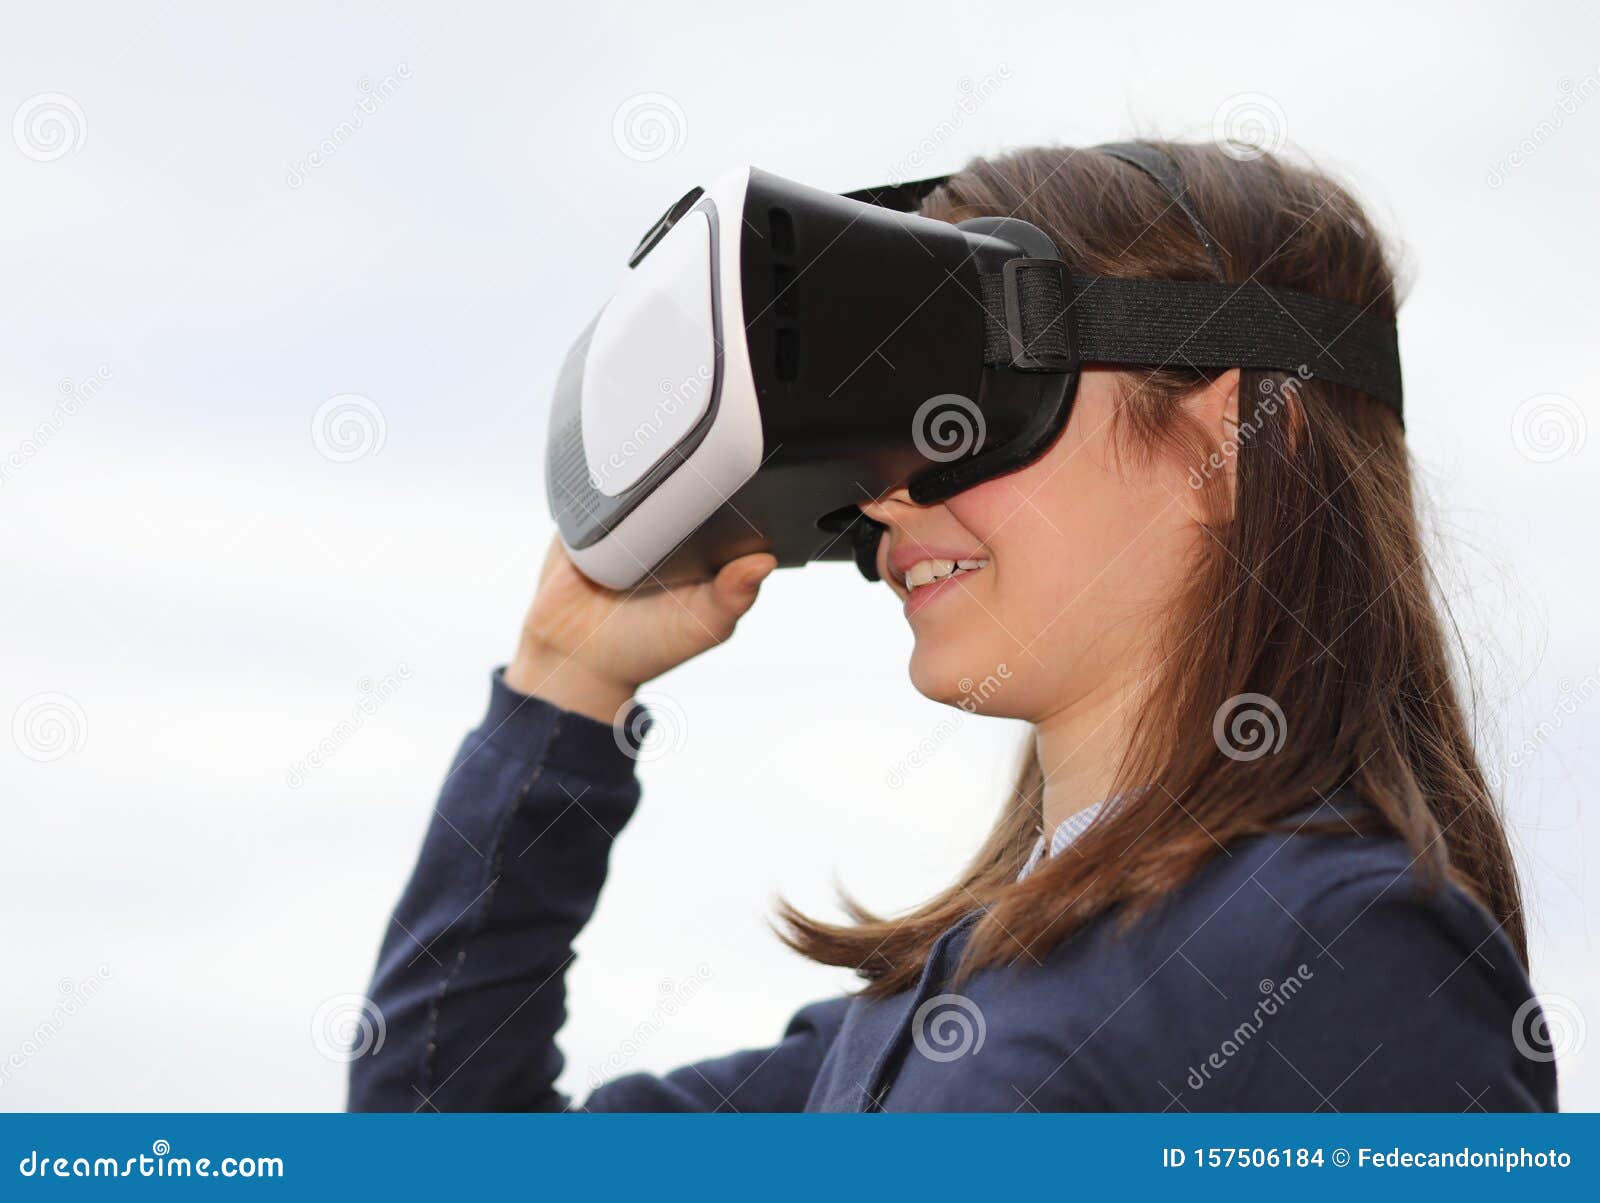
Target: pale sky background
x,y
198,592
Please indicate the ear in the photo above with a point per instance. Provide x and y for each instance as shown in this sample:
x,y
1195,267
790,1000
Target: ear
x,y
1213,412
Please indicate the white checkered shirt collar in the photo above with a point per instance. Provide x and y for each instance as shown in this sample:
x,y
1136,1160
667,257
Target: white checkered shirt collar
x,y
1069,829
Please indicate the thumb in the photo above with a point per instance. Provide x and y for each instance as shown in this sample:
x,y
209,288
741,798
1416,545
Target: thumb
x,y
735,588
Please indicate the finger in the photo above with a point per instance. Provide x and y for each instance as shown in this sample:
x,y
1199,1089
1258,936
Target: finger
x,y
552,558
557,563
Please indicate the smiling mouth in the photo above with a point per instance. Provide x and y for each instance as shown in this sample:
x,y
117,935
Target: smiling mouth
x,y
929,572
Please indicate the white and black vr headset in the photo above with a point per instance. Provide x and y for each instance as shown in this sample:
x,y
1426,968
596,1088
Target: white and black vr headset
x,y
777,355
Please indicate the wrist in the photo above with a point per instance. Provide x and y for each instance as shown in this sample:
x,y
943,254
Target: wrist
x,y
565,682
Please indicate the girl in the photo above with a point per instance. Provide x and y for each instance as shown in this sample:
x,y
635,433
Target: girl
x,y
1251,861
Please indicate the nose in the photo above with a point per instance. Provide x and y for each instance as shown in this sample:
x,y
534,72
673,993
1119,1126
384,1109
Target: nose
x,y
882,509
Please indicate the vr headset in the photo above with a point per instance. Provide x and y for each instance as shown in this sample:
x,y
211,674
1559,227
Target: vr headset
x,y
776,355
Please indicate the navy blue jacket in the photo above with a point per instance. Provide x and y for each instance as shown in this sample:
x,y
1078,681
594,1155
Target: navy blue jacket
x,y
1297,972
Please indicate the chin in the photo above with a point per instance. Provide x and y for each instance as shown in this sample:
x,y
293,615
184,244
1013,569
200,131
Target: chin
x,y
967,678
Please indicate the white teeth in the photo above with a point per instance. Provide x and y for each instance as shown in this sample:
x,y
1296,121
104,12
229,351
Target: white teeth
x,y
925,572
928,570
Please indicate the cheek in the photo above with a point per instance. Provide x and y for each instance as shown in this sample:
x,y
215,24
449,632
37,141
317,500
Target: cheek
x,y
1029,532
998,512
1085,549
1077,549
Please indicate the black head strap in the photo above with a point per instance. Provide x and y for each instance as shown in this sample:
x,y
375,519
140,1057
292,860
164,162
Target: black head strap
x,y
1064,319
1042,318
1161,168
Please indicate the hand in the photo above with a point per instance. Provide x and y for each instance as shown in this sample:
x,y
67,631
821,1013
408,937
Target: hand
x,y
586,648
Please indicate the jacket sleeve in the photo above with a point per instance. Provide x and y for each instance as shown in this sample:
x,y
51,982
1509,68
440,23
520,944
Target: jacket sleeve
x,y
469,989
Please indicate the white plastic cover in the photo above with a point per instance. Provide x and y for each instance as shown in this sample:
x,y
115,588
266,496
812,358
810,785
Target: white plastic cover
x,y
650,369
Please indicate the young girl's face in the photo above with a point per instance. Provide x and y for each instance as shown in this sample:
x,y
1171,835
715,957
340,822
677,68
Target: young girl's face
x,y
1070,563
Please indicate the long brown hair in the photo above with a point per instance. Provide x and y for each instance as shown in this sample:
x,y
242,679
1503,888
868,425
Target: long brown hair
x,y
1312,592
